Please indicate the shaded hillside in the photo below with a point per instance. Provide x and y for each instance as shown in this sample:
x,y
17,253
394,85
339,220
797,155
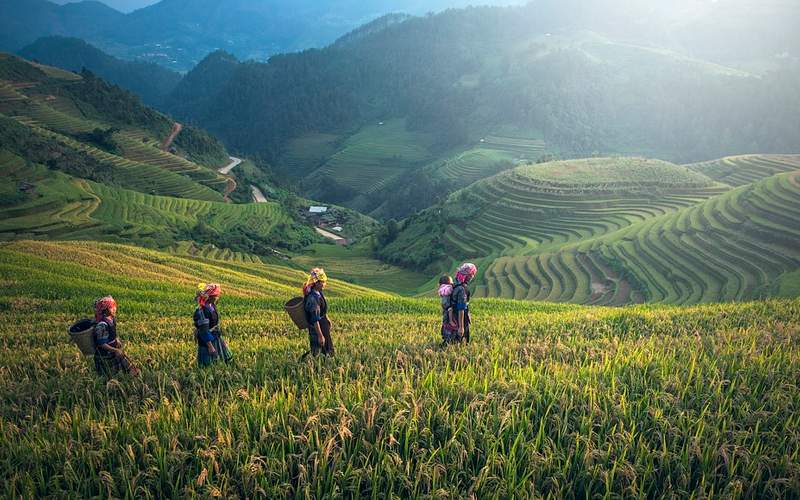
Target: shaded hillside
x,y
147,80
68,104
460,75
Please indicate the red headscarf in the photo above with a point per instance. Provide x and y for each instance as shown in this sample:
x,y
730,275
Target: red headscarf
x,y
205,292
103,305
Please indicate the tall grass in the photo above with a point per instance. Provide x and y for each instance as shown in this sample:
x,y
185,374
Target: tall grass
x,y
547,401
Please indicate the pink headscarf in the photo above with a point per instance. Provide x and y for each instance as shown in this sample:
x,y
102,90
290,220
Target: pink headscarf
x,y
466,272
103,305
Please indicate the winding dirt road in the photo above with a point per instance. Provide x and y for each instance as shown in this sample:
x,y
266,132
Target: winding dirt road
x,y
230,166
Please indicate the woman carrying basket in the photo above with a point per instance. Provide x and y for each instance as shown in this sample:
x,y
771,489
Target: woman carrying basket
x,y
316,308
109,357
211,347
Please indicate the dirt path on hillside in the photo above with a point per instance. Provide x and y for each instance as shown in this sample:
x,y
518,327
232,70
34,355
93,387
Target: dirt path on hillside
x,y
258,196
235,162
176,129
327,234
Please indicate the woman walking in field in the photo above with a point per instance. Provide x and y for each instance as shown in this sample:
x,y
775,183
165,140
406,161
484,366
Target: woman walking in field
x,y
460,300
316,308
211,347
109,357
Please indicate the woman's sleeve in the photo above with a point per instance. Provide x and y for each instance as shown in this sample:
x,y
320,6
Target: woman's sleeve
x,y
201,322
313,309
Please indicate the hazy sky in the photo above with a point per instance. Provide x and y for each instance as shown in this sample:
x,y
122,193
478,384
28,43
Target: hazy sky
x,y
121,5
130,5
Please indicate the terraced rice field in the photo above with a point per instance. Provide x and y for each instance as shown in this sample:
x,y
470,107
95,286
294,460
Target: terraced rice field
x,y
472,165
135,175
375,156
548,400
61,117
741,170
538,207
134,148
61,207
736,246
307,153
521,148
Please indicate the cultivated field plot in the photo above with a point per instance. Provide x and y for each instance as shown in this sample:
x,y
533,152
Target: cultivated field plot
x,y
741,170
307,153
536,207
375,156
62,207
548,400
357,264
60,117
740,245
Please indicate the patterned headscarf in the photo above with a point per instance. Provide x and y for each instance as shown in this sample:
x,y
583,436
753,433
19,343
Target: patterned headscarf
x,y
445,290
102,305
317,275
204,292
466,272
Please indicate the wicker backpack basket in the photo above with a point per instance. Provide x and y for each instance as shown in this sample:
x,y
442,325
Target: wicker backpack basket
x,y
297,311
82,333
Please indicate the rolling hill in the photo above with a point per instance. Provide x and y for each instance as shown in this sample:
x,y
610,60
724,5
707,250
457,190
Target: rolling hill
x,y
620,231
539,206
86,160
57,206
152,83
108,134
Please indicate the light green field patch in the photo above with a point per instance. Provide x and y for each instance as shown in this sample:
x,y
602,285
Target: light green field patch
x,y
374,156
613,171
356,264
789,285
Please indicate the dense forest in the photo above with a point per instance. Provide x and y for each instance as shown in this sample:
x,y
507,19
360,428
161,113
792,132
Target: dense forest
x,y
149,81
459,74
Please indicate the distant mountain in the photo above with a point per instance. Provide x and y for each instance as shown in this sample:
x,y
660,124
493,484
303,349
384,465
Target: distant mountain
x,y
24,21
180,33
120,5
148,80
463,73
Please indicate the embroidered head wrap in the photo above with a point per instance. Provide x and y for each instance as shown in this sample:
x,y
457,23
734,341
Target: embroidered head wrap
x,y
317,275
206,291
466,272
102,306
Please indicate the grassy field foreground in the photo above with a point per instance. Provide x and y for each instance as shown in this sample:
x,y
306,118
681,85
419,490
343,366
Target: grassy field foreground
x,y
548,400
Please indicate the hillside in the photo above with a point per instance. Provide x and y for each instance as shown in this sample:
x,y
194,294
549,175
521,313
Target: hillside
x,y
57,206
391,414
152,83
177,34
86,160
741,245
108,134
460,75
539,206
